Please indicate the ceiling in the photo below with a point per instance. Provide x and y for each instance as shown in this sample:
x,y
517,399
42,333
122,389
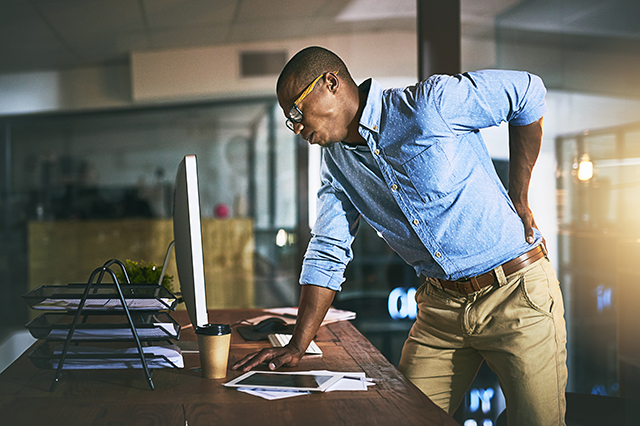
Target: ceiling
x,y
40,35
57,34
591,18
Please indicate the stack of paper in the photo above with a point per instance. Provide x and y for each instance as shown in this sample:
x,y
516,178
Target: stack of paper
x,y
84,357
278,340
349,382
159,330
290,315
141,303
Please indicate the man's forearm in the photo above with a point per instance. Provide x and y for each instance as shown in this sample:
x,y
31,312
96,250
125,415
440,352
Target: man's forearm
x,y
315,301
524,147
314,304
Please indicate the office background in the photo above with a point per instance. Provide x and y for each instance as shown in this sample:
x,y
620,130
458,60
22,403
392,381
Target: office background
x,y
100,99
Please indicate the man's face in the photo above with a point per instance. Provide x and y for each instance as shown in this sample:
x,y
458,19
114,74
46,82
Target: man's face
x,y
322,122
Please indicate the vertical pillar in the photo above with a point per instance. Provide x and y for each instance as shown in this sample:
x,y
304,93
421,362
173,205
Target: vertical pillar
x,y
438,37
271,168
5,171
302,200
9,244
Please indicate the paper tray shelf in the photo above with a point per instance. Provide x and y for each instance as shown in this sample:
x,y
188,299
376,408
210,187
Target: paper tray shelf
x,y
150,327
102,297
83,357
143,306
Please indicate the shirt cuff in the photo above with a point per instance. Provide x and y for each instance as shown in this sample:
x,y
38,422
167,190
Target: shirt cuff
x,y
311,275
530,116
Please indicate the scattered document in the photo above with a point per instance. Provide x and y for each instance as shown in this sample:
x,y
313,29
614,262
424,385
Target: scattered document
x,y
289,315
126,358
357,381
350,382
142,303
278,340
272,394
159,330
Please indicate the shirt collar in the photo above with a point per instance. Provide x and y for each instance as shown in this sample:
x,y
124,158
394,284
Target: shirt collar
x,y
373,108
370,119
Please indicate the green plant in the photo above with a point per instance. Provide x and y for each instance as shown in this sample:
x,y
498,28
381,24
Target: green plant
x,y
143,273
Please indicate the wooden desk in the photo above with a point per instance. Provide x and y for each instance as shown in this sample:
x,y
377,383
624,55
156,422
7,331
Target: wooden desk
x,y
122,397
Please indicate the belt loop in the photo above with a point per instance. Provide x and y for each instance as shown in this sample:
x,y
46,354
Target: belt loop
x,y
474,284
502,278
435,282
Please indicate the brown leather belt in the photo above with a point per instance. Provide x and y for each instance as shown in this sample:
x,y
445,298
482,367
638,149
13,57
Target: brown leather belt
x,y
479,282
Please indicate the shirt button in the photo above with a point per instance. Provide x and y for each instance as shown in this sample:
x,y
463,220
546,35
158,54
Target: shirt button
x,y
375,127
415,221
438,254
376,152
394,187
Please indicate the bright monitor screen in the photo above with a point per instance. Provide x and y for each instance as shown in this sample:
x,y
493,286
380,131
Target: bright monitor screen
x,y
187,234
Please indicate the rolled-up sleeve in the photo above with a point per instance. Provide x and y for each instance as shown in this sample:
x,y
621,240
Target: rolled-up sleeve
x,y
329,250
476,100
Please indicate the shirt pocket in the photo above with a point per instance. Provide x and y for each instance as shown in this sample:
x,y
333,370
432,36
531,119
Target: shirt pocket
x,y
430,173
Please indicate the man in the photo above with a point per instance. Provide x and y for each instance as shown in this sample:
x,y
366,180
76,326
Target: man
x,y
412,163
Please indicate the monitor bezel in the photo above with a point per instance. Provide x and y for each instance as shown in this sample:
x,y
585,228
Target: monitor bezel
x,y
187,233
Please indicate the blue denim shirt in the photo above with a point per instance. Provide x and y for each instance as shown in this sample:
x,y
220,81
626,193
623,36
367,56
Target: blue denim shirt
x,y
425,181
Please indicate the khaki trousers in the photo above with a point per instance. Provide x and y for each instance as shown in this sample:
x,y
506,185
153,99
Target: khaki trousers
x,y
517,326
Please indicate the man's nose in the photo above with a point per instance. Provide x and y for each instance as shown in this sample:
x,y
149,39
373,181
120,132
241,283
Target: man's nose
x,y
297,128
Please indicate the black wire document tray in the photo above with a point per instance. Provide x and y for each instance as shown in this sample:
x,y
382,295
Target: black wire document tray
x,y
86,357
146,297
97,327
95,312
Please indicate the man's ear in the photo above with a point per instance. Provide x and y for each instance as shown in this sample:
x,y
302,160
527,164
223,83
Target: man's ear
x,y
333,83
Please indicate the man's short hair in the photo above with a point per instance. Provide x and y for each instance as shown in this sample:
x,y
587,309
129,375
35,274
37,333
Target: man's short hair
x,y
311,62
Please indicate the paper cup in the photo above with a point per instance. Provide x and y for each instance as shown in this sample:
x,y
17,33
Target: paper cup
x,y
213,343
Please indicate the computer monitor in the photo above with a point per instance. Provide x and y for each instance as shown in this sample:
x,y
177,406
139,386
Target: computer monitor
x,y
187,234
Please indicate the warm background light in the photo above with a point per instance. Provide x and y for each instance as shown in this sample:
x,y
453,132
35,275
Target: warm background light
x,y
585,168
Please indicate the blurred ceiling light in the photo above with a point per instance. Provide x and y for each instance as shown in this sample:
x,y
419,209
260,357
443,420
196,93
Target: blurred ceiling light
x,y
370,10
585,168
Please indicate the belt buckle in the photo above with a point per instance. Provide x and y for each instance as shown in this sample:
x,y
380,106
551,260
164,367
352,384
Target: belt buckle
x,y
462,290
473,283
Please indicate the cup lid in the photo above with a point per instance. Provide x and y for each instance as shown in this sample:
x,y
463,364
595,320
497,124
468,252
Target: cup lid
x,y
214,329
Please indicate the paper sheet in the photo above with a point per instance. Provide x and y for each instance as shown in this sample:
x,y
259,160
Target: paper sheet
x,y
272,394
289,315
357,381
161,330
350,382
142,303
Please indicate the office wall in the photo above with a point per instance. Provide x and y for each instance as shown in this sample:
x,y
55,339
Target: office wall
x,y
215,71
188,75
65,90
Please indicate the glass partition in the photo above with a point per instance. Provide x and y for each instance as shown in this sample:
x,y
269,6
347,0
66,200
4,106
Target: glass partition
x,y
116,170
598,181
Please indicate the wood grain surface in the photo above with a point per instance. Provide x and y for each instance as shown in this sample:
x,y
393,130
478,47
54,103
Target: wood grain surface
x,y
182,397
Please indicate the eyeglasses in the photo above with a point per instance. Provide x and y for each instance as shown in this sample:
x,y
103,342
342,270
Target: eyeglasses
x,y
295,115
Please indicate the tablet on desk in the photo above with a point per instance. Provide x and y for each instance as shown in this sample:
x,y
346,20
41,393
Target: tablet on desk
x,y
302,381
